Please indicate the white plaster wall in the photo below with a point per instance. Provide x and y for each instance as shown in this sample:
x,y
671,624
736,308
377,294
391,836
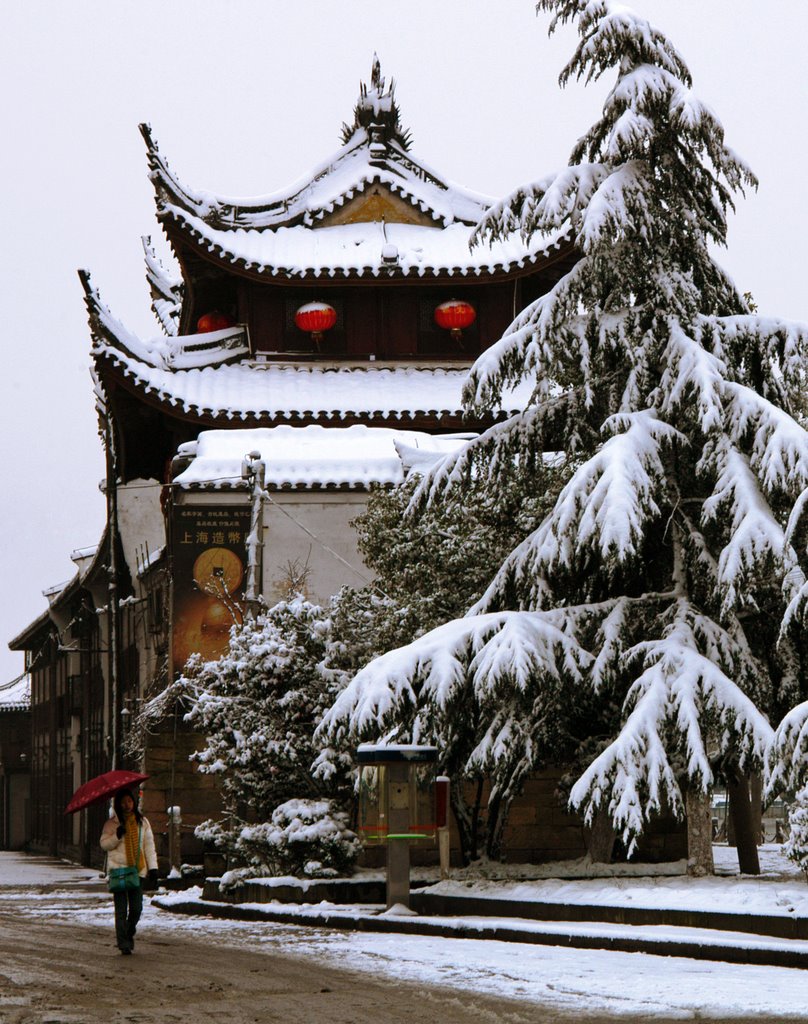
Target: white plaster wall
x,y
288,547
140,521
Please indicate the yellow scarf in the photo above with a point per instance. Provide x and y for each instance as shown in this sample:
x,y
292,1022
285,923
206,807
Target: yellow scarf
x,y
132,840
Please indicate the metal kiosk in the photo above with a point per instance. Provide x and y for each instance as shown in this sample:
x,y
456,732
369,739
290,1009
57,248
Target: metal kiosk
x,y
397,806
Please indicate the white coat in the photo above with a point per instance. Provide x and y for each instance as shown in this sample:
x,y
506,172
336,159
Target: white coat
x,y
115,848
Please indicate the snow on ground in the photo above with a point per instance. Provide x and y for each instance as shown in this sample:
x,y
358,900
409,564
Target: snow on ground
x,y
780,889
661,934
633,985
25,869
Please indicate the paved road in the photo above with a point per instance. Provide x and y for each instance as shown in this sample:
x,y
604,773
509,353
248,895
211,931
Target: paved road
x,y
59,965
71,973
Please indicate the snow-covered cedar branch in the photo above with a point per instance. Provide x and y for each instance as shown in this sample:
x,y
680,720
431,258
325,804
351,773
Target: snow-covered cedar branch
x,y
787,762
441,668
654,583
519,668
682,699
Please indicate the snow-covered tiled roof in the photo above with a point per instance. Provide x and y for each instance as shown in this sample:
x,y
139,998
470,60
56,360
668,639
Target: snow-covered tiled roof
x,y
294,392
166,290
88,560
288,233
16,695
313,456
370,248
190,374
343,176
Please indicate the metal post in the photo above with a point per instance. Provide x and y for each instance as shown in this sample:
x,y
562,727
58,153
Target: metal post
x,y
398,850
174,850
113,611
442,784
253,469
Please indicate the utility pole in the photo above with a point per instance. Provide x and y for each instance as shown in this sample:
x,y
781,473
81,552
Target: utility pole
x,y
253,470
113,610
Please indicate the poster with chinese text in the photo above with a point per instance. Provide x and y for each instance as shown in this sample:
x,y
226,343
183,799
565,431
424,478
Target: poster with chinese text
x,y
209,560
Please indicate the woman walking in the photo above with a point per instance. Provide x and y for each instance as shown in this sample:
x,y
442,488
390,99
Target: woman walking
x,y
128,842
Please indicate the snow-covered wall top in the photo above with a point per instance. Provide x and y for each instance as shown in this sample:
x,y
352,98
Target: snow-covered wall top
x,y
53,592
313,456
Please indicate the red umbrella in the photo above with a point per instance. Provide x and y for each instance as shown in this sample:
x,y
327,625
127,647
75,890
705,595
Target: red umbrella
x,y
102,786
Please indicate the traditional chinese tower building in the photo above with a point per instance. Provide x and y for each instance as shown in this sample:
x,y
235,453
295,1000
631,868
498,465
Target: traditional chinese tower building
x,y
328,326
371,233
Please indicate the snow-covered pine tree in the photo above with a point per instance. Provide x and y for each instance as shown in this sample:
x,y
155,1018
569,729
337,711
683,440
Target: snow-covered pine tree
x,y
651,580
433,567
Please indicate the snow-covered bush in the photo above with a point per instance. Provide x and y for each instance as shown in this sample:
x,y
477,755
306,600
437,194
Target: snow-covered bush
x,y
653,585
787,773
308,838
257,708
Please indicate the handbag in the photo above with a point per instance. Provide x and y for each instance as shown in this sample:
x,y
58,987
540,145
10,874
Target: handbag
x,y
124,879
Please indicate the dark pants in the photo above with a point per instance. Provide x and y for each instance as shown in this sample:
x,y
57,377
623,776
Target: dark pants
x,y
128,908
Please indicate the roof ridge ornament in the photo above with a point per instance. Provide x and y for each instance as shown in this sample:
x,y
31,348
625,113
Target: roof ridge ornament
x,y
167,187
92,300
377,112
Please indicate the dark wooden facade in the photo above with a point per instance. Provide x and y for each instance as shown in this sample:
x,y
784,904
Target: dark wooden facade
x,y
15,778
386,319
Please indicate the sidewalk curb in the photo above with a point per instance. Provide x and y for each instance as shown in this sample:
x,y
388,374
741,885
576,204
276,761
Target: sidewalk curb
x,y
457,930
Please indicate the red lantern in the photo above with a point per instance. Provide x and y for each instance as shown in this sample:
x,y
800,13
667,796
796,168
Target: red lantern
x,y
315,318
455,316
213,321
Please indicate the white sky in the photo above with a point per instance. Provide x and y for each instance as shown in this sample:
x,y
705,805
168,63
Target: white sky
x,y
245,96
